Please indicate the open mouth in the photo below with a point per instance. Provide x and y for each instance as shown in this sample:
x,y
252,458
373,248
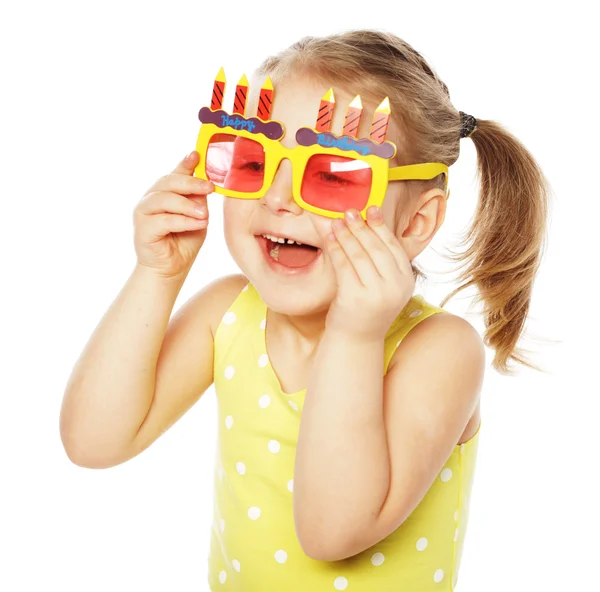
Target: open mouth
x,y
288,252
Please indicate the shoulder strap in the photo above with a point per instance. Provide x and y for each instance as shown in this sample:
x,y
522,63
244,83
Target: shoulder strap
x,y
416,311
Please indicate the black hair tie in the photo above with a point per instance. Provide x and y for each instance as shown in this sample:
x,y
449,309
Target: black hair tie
x,y
469,124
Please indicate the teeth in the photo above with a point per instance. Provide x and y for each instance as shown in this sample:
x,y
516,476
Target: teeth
x,y
282,241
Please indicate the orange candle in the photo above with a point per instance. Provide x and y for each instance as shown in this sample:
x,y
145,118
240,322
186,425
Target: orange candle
x,y
325,112
241,94
381,120
265,100
353,117
218,91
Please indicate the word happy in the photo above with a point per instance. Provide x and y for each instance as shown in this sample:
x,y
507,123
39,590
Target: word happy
x,y
237,123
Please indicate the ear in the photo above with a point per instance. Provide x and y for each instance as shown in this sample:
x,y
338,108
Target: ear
x,y
425,217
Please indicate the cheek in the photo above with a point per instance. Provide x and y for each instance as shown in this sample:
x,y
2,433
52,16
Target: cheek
x,y
236,215
321,224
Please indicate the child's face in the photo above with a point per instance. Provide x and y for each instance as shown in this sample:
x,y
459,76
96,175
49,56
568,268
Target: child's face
x,y
312,288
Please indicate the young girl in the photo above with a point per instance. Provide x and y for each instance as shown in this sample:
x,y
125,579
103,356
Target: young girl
x,y
349,407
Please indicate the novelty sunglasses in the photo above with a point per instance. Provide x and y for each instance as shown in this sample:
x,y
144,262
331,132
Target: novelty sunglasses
x,y
330,173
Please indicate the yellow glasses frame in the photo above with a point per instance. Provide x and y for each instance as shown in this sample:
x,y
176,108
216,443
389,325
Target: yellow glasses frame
x,y
298,156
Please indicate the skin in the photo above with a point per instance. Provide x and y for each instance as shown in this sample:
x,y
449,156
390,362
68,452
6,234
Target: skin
x,y
336,317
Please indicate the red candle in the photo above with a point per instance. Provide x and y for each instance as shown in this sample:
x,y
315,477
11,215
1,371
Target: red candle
x,y
218,91
265,100
381,120
241,94
325,112
352,117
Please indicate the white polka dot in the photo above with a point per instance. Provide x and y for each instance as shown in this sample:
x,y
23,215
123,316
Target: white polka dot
x,y
438,576
422,544
462,448
340,583
415,313
222,525
245,288
293,405
222,577
281,556
274,446
456,533
228,422
254,513
446,475
456,516
264,401
262,361
291,485
263,324
229,372
236,565
229,317
241,468
377,559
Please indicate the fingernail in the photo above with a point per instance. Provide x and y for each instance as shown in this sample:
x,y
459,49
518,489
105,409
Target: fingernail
x,y
338,223
374,212
189,155
201,210
352,215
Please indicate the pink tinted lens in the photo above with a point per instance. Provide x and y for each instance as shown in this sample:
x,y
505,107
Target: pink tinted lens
x,y
336,183
235,163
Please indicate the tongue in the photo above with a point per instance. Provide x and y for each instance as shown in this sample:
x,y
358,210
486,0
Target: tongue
x,y
296,255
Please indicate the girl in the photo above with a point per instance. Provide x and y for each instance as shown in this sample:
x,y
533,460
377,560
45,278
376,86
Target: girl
x,y
349,407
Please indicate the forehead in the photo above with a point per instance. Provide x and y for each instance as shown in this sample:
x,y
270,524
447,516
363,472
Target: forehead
x,y
296,104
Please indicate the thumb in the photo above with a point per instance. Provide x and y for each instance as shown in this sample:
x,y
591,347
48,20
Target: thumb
x,y
188,164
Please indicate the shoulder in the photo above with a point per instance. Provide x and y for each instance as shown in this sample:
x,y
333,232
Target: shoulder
x,y
215,298
442,338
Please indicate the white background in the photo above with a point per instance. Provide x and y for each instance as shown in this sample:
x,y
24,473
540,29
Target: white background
x,y
99,100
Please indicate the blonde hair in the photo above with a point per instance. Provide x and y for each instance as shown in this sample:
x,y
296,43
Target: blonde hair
x,y
508,234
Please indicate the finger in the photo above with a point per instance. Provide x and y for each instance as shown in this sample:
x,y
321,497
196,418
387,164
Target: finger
x,y
182,179
183,185
188,164
172,203
162,224
382,258
344,272
388,238
359,258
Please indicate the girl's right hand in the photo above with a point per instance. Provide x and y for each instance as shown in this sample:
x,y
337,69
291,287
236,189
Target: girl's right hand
x,y
169,230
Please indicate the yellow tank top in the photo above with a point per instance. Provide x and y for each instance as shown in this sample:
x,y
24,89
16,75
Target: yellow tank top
x,y
253,545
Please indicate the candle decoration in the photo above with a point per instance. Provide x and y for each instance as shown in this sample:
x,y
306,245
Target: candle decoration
x,y
381,120
265,100
218,91
352,119
241,94
325,112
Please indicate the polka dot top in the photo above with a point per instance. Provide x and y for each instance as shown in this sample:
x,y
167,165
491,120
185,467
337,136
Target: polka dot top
x,y
253,545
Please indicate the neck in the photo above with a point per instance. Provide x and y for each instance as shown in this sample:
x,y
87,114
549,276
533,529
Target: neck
x,y
303,332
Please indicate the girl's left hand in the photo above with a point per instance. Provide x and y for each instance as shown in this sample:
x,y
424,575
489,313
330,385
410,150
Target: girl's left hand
x,y
373,275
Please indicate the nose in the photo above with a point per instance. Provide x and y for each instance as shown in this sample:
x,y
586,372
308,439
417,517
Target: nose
x,y
279,198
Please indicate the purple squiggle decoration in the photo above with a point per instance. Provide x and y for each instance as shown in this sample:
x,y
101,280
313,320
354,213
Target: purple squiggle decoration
x,y
306,136
271,129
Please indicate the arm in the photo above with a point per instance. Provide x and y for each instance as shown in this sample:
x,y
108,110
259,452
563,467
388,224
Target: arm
x,y
139,372
369,447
